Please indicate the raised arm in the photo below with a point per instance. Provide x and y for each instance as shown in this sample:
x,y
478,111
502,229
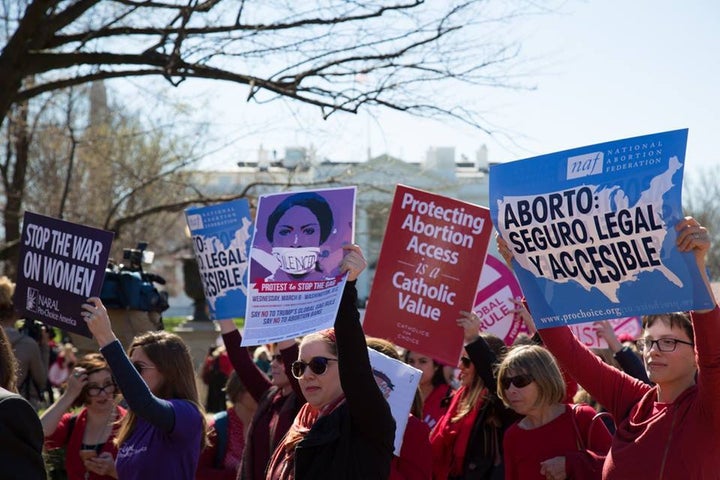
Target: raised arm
x,y
254,379
368,408
626,358
138,396
51,417
695,238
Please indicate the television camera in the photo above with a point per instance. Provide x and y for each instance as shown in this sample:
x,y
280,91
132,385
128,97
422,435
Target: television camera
x,y
128,286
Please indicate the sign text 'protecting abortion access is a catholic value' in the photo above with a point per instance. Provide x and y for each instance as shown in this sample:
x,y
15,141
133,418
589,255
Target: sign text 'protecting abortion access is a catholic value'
x,y
592,230
429,266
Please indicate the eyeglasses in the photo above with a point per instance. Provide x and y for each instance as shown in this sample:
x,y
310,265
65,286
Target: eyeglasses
x,y
318,365
94,390
520,381
663,344
141,366
466,362
277,357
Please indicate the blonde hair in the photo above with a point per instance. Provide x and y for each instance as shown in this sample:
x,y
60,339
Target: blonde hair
x,y
471,397
7,290
172,359
539,363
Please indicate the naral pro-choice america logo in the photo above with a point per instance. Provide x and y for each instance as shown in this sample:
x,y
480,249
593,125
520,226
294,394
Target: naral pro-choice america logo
x,y
39,303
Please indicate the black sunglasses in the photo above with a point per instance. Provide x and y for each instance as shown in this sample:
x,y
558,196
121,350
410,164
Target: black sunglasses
x,y
318,365
520,381
277,357
466,362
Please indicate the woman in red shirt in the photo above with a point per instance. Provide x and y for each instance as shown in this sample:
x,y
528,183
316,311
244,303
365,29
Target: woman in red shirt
x,y
434,389
89,435
551,441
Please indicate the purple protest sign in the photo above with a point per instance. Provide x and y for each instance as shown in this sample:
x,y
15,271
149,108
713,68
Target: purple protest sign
x,y
61,265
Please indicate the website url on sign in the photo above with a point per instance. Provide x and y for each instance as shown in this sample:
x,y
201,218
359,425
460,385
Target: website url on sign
x,y
581,314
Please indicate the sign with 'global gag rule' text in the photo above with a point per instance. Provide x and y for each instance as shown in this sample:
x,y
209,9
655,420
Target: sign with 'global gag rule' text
x,y
592,230
428,270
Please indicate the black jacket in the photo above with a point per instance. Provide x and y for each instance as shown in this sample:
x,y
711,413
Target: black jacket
x,y
356,440
21,439
486,439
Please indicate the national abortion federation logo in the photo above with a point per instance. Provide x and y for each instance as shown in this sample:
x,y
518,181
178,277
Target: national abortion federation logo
x,y
585,165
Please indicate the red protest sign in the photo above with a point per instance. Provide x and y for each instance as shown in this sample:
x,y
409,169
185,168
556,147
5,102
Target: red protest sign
x,y
427,272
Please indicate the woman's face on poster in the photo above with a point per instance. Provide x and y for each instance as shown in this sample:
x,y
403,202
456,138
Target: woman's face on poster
x,y
297,228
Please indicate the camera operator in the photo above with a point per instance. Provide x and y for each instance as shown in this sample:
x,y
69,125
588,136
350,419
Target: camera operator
x,y
30,345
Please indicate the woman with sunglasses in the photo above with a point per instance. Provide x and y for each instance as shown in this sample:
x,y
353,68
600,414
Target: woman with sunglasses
x,y
87,436
164,430
345,430
467,441
278,398
553,438
669,430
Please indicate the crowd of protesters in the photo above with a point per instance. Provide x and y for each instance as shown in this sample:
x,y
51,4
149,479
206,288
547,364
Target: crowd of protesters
x,y
311,409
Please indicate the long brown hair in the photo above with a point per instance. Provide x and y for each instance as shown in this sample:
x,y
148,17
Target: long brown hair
x,y
172,359
8,364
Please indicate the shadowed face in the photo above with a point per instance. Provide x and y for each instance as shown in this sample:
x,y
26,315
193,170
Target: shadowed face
x,y
319,389
467,370
424,364
100,388
147,369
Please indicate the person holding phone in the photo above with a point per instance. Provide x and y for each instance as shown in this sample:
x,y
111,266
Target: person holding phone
x,y
87,436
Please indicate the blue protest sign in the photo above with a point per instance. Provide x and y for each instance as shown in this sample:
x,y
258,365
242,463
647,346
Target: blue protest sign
x,y
592,230
221,235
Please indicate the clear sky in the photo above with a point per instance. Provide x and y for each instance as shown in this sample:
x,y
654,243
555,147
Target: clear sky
x,y
602,70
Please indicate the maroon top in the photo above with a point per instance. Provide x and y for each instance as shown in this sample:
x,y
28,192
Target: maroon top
x,y
275,412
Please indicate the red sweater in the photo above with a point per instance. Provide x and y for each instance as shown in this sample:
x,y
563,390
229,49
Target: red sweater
x,y
676,441
73,463
433,409
526,449
415,460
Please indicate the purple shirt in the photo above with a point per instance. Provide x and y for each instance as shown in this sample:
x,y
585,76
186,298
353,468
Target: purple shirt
x,y
150,453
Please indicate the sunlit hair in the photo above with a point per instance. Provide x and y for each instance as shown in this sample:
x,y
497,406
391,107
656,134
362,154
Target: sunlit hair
x,y
7,290
8,363
671,320
92,363
171,357
388,348
326,336
541,365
